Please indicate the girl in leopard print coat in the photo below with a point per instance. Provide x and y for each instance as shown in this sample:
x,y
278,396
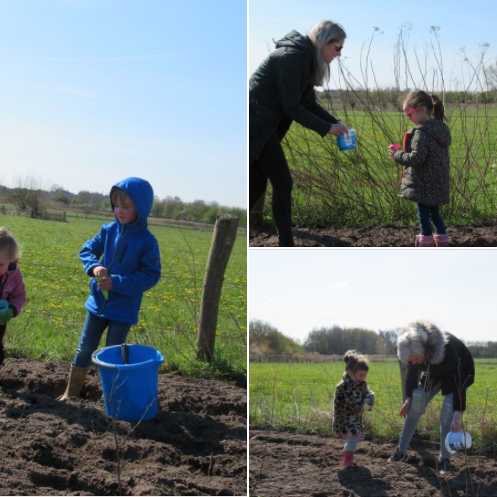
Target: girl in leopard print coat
x,y
352,399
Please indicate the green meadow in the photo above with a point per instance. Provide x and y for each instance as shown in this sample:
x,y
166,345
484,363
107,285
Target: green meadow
x,y
300,396
57,287
360,187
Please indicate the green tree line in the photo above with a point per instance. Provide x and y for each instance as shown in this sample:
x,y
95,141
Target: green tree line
x,y
391,97
337,340
265,339
28,196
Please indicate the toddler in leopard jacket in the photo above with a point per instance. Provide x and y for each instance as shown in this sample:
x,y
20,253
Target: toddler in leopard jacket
x,y
352,399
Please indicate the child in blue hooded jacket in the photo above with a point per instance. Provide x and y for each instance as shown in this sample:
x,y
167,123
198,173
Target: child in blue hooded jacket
x,y
130,266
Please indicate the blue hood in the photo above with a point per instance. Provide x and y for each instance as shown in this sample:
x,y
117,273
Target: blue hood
x,y
141,193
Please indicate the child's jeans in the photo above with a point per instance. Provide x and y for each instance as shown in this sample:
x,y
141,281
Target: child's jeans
x,y
427,214
91,334
3,328
412,420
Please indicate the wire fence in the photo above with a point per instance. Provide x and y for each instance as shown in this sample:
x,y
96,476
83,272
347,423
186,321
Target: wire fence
x,y
63,216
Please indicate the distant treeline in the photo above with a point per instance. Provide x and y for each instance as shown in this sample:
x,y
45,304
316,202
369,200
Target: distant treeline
x,y
394,97
337,340
27,196
266,340
483,350
198,211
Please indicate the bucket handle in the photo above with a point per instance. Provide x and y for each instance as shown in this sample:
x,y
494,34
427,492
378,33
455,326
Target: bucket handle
x,y
106,365
100,364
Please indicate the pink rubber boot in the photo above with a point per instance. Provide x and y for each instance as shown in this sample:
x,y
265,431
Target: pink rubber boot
x,y
348,459
441,240
424,241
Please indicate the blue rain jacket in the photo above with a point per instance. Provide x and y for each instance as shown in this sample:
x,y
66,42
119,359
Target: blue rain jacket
x,y
130,254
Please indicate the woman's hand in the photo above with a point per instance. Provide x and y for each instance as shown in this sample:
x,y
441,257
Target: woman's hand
x,y
338,129
405,408
456,422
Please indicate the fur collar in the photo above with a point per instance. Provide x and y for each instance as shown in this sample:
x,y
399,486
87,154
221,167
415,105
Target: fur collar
x,y
422,337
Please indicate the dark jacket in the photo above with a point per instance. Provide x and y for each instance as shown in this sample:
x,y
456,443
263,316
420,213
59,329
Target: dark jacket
x,y
131,256
453,367
282,87
426,176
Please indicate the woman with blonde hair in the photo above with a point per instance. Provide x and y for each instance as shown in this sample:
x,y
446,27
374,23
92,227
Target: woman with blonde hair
x,y
281,90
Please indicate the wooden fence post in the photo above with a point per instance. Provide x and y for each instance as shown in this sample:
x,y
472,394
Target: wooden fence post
x,y
222,245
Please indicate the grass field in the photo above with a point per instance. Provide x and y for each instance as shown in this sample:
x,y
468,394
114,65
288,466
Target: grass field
x,y
360,187
300,396
57,288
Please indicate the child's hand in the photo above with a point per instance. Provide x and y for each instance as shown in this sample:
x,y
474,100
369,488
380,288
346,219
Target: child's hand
x,y
100,271
104,282
391,150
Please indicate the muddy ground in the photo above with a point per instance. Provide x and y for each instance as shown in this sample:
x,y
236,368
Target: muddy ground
x,y
469,235
195,446
285,464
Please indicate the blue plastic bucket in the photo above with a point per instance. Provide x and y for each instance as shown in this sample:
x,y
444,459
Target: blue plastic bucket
x,y
129,379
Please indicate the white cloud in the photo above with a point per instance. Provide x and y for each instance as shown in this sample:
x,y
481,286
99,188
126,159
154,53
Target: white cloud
x,y
268,299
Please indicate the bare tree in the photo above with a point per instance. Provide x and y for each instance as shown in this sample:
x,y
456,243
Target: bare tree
x,y
491,73
29,195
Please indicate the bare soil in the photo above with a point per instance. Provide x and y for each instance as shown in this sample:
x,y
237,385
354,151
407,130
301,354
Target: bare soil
x,y
468,235
197,444
285,464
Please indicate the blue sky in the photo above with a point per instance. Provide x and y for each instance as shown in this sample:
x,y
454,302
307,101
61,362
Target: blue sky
x,y
298,290
462,24
93,91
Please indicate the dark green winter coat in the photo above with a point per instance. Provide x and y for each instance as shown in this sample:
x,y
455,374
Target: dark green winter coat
x,y
426,178
282,88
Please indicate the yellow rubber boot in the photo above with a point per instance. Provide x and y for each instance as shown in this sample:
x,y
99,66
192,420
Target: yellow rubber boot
x,y
76,381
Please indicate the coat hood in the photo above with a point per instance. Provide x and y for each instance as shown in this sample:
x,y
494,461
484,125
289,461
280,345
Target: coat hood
x,y
295,40
422,338
141,193
438,130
